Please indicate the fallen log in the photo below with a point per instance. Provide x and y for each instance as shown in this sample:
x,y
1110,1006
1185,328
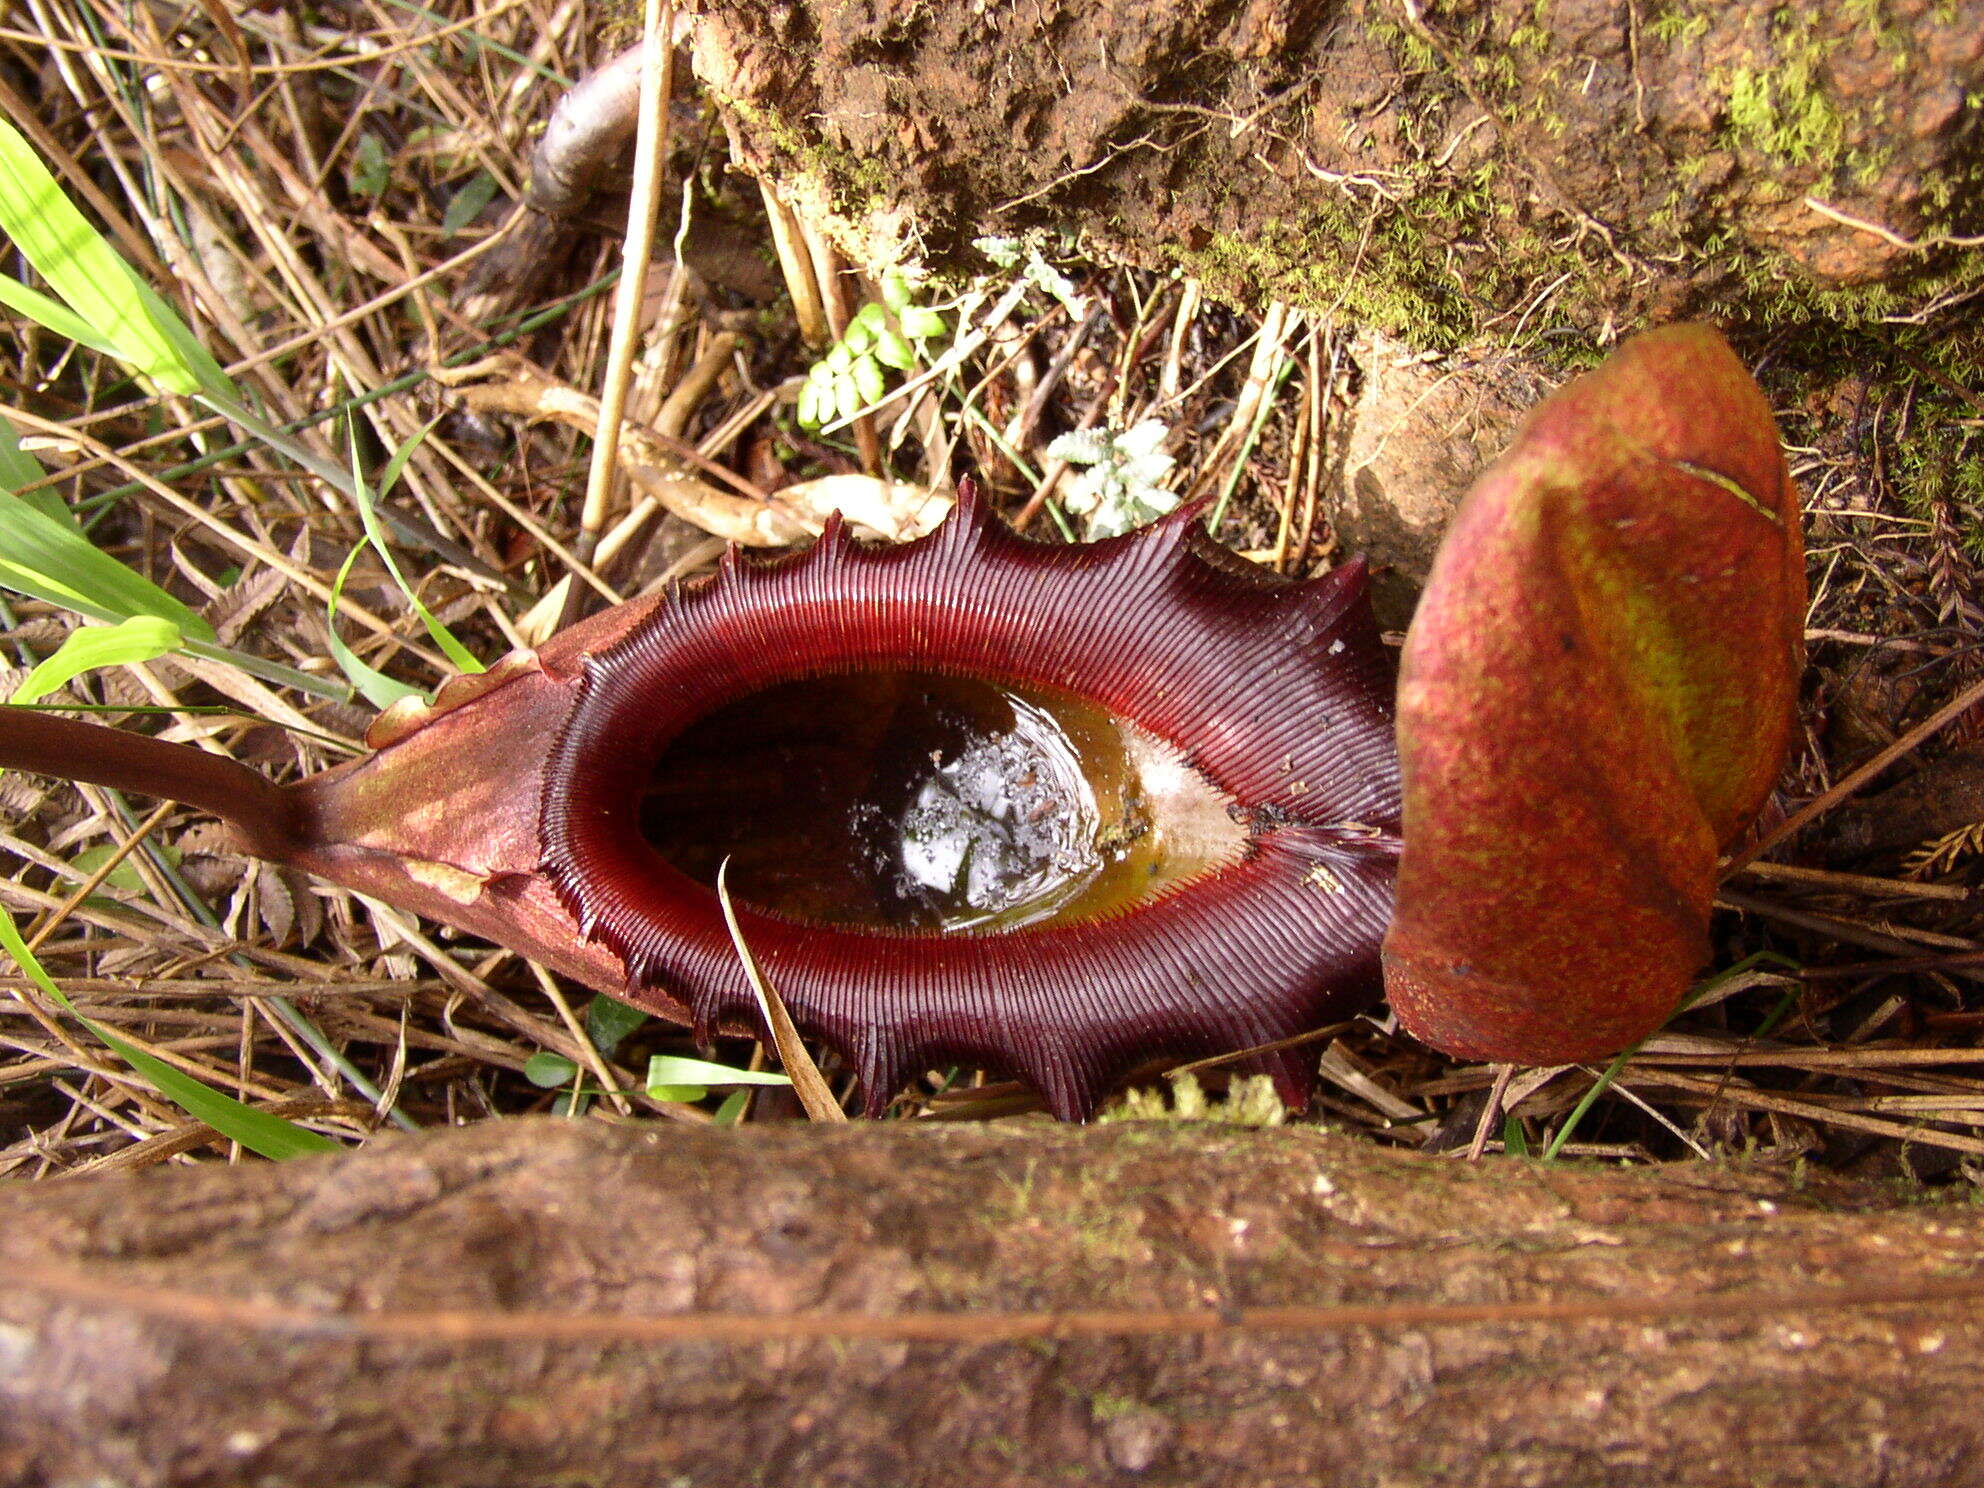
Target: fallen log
x,y
521,1302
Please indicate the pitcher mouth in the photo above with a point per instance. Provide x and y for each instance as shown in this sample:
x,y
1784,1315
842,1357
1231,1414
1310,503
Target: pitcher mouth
x,y
1053,810
896,799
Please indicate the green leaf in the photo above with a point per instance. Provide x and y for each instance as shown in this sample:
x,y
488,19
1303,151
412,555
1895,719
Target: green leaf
x,y
892,350
1514,1143
258,1131
192,351
920,323
897,291
466,205
51,560
125,875
368,517
609,1021
373,685
141,638
55,316
547,1071
1005,253
680,1094
370,172
396,466
20,470
847,395
732,1109
868,379
677,1069
85,272
815,404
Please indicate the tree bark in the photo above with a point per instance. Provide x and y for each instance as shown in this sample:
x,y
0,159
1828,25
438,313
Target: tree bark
x,y
523,1302
1432,171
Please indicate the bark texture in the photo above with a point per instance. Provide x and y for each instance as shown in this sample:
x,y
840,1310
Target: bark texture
x,y
1432,171
316,1323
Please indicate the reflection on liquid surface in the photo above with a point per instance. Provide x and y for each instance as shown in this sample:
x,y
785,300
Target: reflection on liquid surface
x,y
914,801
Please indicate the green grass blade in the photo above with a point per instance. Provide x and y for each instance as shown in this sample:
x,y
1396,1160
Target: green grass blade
x,y
52,561
258,1131
1588,1100
680,1095
55,316
1514,1143
396,467
373,685
85,272
190,349
458,654
1695,995
45,555
273,672
677,1069
141,638
20,470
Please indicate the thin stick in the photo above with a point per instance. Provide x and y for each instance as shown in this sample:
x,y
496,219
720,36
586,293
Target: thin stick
x,y
594,1062
1298,456
650,161
1847,784
1489,1112
1858,883
1715,1092
797,265
834,298
441,1327
95,881
807,1083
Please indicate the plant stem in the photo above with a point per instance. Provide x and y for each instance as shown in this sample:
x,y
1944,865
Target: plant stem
x,y
261,812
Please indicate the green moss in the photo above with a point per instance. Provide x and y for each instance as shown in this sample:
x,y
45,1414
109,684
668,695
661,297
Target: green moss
x,y
1324,261
1784,113
1409,48
1316,264
1768,291
1106,1405
1780,107
1250,1101
1933,459
1431,269
1872,16
1678,26
858,182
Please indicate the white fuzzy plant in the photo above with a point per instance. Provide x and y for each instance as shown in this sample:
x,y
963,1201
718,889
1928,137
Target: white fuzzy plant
x,y
1121,483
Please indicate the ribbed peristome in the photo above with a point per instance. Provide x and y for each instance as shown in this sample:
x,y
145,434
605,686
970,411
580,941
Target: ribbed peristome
x,y
1279,692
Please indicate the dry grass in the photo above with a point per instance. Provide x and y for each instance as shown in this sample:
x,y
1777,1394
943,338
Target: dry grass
x,y
309,198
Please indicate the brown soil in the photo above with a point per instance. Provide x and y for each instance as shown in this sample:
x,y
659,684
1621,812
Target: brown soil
x,y
1433,173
